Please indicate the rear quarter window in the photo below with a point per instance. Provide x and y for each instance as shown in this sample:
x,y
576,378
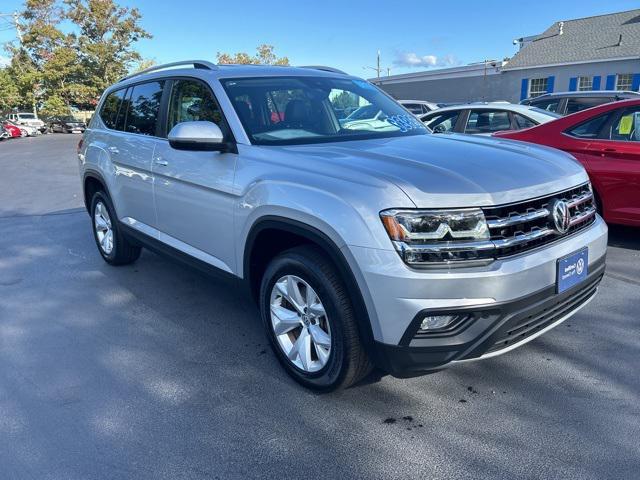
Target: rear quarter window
x,y
110,108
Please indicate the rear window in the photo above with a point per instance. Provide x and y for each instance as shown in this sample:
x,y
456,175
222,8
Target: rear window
x,y
110,108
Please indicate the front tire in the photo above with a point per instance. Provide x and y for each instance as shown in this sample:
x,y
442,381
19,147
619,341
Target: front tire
x,y
113,246
310,321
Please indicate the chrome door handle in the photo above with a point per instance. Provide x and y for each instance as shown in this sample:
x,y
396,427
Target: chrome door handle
x,y
160,162
114,150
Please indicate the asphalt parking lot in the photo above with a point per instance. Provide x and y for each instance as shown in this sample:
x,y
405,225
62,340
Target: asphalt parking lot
x,y
156,371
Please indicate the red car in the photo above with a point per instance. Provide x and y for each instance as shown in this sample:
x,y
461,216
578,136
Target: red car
x,y
12,129
606,140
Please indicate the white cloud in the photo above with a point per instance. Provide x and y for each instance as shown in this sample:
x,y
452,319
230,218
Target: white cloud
x,y
412,59
4,61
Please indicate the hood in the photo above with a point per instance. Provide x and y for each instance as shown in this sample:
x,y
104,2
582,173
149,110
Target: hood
x,y
453,170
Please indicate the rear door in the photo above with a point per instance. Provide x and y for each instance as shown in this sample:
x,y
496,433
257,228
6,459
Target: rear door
x,y
193,189
131,149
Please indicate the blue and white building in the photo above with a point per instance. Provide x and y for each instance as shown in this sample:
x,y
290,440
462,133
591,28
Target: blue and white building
x,y
592,53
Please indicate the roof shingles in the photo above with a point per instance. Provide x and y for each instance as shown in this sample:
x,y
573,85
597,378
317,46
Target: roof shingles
x,y
583,40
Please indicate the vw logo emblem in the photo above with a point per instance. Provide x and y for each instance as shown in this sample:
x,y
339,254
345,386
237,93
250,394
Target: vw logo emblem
x,y
560,216
580,266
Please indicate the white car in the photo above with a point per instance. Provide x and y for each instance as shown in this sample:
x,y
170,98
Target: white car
x,y
486,118
418,107
25,130
29,120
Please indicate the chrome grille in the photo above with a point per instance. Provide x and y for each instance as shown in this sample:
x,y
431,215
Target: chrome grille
x,y
525,225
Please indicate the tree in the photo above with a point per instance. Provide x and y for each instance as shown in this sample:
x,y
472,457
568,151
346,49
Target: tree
x,y
264,56
9,96
107,32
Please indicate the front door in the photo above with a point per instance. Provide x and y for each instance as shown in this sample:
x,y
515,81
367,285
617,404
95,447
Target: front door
x,y
615,162
193,190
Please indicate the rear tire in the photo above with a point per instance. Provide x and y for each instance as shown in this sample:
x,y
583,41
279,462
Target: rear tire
x,y
113,246
320,313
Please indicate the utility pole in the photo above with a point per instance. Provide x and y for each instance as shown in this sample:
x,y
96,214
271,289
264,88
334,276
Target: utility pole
x,y
378,68
13,19
15,22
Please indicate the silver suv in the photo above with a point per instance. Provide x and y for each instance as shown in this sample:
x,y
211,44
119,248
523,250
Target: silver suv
x,y
365,244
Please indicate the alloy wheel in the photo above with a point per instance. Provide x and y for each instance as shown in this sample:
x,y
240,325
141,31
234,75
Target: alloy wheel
x,y
102,225
300,323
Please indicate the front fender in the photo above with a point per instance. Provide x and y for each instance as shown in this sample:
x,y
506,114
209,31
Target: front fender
x,y
343,221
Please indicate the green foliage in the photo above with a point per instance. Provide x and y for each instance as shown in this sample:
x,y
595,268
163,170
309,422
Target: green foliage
x,y
9,95
55,70
264,56
345,100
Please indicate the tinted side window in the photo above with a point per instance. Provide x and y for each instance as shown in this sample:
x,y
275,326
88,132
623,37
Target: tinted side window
x,y
443,123
592,128
110,108
487,121
550,105
413,108
627,127
524,122
577,104
192,101
144,106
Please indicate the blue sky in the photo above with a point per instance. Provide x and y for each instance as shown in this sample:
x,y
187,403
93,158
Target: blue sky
x,y
346,34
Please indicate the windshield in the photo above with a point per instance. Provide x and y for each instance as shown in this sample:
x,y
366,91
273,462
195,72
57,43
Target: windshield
x,y
299,110
26,115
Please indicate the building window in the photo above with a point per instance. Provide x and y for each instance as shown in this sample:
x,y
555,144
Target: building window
x,y
624,81
585,83
538,86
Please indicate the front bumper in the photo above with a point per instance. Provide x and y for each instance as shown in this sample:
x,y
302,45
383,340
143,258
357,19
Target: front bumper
x,y
498,296
490,330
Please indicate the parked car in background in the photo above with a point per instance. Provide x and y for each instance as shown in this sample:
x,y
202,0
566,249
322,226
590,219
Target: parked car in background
x,y
418,107
606,141
485,118
26,130
13,130
4,133
363,246
66,124
28,119
566,103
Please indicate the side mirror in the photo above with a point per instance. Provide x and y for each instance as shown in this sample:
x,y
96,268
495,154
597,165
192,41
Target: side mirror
x,y
200,135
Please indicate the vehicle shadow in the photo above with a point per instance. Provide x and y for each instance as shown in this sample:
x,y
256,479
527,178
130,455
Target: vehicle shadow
x,y
624,237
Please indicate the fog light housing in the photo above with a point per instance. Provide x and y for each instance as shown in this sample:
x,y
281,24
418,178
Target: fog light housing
x,y
441,323
436,322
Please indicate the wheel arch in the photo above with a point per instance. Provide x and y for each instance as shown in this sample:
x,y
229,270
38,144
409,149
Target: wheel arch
x,y
289,233
91,183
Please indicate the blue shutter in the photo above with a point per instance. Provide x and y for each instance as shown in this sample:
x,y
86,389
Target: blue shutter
x,y
524,88
573,84
550,81
611,82
635,82
596,83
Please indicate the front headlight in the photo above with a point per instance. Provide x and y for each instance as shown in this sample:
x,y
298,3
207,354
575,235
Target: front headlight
x,y
438,236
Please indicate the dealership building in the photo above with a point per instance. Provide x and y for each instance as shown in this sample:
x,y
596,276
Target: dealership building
x,y
593,53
